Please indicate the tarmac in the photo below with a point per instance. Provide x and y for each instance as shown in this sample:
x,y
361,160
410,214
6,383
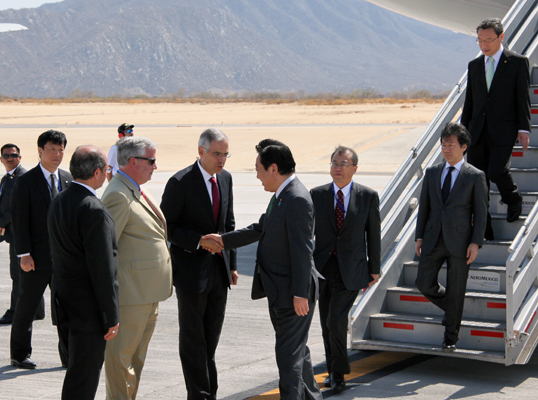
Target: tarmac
x,y
245,356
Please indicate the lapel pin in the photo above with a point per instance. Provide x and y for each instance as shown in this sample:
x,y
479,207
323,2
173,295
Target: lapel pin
x,y
279,202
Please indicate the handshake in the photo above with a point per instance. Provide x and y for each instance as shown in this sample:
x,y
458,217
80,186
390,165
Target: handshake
x,y
212,243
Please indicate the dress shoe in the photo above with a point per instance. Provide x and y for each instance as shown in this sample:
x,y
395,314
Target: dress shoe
x,y
7,318
337,382
24,364
514,211
449,345
39,318
327,381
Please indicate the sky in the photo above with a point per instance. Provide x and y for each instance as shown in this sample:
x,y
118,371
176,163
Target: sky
x,y
17,4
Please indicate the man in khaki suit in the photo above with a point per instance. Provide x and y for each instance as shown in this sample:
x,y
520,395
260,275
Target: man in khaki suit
x,y
145,269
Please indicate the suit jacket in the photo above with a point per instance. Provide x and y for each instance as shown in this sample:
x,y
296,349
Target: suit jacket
x,y
358,243
506,107
285,264
30,202
462,219
189,214
145,271
5,203
84,261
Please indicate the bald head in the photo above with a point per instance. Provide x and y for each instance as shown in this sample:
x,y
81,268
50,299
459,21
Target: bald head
x,y
88,166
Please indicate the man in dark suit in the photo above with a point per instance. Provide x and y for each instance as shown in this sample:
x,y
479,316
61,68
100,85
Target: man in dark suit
x,y
199,200
347,254
84,272
11,158
285,270
450,227
30,202
497,113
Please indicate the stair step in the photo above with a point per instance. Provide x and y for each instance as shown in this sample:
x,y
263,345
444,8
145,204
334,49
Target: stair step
x,y
411,268
524,159
493,252
427,329
502,229
525,178
495,206
483,306
435,350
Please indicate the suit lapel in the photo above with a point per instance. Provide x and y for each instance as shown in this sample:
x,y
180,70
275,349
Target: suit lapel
x,y
64,182
354,198
481,74
328,208
41,183
199,184
501,68
460,180
438,184
277,207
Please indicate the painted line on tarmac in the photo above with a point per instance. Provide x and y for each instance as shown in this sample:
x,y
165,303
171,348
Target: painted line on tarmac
x,y
366,366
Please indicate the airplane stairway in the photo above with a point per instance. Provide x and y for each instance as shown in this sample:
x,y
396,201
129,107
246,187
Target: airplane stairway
x,y
501,301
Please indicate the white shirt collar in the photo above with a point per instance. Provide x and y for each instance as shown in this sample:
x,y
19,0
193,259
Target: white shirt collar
x,y
284,184
87,187
496,56
457,166
345,190
46,173
205,174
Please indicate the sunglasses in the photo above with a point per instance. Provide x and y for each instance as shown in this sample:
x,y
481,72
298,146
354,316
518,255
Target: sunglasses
x,y
129,131
150,160
12,155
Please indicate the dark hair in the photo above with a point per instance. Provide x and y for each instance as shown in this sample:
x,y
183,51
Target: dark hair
x,y
274,152
52,136
458,130
8,146
491,23
343,149
85,160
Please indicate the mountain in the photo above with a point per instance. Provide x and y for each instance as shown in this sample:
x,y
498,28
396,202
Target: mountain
x,y
158,47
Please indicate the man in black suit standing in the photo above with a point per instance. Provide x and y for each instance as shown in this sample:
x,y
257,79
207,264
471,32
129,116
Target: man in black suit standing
x,y
347,254
285,271
11,158
497,112
199,200
450,227
30,202
84,272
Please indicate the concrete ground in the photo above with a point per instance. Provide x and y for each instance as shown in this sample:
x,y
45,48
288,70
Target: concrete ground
x,y
245,357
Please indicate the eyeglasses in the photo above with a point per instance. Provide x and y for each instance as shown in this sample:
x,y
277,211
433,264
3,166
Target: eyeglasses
x,y
486,41
12,155
335,165
150,160
218,154
129,131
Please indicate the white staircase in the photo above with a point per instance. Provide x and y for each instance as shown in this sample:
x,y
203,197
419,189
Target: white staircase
x,y
499,323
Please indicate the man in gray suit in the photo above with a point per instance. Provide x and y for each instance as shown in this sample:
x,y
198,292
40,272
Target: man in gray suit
x,y
450,227
285,270
347,254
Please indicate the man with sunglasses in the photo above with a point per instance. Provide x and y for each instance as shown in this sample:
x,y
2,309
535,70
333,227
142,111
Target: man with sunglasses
x,y
497,113
198,200
145,269
124,130
11,158
347,254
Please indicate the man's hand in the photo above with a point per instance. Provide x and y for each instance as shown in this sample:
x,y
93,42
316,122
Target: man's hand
x,y
27,263
212,243
376,279
523,139
234,276
301,306
112,332
418,247
472,252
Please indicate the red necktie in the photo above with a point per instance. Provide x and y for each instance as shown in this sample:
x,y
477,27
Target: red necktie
x,y
216,199
339,213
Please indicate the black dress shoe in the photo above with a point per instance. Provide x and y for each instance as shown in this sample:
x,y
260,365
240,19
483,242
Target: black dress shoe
x,y
7,318
337,382
449,345
327,381
514,211
39,318
24,364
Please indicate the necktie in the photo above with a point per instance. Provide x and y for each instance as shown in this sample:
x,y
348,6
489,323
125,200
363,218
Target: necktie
x,y
491,72
339,214
270,207
216,198
445,190
53,186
